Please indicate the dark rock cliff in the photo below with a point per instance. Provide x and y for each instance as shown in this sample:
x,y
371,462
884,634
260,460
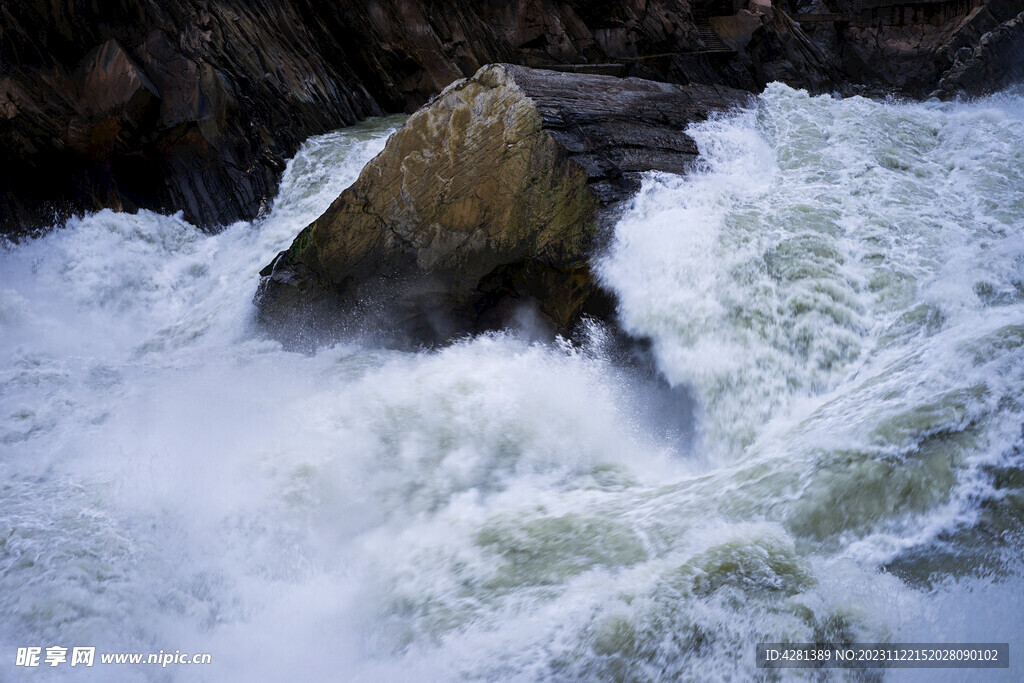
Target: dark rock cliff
x,y
186,105
919,47
996,62
194,105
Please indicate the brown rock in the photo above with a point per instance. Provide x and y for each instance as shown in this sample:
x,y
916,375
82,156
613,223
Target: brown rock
x,y
492,192
115,97
737,30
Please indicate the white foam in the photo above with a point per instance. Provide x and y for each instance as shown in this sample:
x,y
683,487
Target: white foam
x,y
838,288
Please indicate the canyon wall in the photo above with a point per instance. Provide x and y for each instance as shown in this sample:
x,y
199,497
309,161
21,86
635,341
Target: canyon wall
x,y
194,105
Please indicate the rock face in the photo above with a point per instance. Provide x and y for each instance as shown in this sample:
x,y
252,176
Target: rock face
x,y
775,48
183,105
920,47
194,105
489,198
996,62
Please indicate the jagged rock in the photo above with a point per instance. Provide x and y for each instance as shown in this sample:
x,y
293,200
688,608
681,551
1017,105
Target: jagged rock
x,y
997,62
236,87
220,94
181,105
737,30
115,97
491,193
907,47
775,48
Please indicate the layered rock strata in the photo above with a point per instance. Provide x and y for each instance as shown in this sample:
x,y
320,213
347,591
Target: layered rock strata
x,y
194,105
996,62
919,47
488,201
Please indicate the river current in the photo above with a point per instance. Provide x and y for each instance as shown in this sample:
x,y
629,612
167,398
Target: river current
x,y
839,289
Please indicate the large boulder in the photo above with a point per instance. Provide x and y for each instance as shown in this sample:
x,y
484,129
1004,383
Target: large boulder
x,y
488,200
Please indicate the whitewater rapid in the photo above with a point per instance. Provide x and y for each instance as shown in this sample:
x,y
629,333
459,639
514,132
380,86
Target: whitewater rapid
x,y
840,289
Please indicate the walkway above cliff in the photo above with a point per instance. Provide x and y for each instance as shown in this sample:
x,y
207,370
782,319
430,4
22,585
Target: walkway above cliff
x,y
889,13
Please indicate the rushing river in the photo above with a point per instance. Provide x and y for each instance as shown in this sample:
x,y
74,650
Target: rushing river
x,y
840,290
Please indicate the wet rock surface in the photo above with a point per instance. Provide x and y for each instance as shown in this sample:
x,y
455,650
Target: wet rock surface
x,y
918,49
174,106
995,63
194,106
487,203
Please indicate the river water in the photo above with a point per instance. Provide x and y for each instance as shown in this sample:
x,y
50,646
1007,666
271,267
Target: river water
x,y
839,290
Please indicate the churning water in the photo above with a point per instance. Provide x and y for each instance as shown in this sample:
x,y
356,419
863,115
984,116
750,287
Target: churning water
x,y
841,290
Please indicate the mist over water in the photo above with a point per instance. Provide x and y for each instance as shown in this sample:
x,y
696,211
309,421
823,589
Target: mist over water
x,y
840,289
